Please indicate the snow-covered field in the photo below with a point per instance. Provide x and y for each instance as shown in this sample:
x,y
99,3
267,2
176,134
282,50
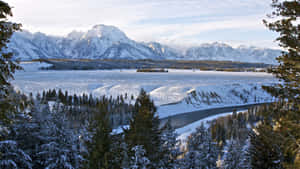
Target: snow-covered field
x,y
192,90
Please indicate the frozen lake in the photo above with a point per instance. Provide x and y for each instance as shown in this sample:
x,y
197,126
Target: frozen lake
x,y
163,87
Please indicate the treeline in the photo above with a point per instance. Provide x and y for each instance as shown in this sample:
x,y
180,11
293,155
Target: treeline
x,y
65,64
81,108
225,143
236,126
44,137
152,70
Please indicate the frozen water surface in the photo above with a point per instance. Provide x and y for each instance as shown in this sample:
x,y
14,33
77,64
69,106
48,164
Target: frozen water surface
x,y
164,88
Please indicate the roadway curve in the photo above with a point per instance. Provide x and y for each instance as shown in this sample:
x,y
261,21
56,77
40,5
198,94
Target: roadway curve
x,y
181,120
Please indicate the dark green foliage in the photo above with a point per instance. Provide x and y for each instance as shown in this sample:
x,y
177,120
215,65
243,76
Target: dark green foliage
x,y
283,119
144,129
235,126
7,65
8,108
67,64
100,144
84,107
265,149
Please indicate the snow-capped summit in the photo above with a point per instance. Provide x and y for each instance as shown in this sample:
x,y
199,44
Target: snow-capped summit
x,y
109,42
75,35
104,32
109,32
215,44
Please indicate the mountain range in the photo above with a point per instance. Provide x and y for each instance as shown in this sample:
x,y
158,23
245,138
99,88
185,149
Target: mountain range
x,y
108,42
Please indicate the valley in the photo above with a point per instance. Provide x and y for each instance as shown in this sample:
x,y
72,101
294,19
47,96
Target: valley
x,y
175,92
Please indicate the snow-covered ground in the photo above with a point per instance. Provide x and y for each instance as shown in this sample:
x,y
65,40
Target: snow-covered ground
x,y
191,90
30,66
217,96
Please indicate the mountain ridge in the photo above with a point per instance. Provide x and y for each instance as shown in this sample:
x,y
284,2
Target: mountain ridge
x,y
109,42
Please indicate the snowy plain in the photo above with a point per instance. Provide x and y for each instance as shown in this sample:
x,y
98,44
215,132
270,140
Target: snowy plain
x,y
178,91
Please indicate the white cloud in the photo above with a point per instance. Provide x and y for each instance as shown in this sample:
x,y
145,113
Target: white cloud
x,y
143,20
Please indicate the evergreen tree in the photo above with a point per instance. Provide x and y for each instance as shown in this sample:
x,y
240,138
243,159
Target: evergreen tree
x,y
245,156
264,150
284,120
48,139
8,105
11,156
12,104
61,96
62,147
170,147
139,160
100,144
202,151
233,155
144,129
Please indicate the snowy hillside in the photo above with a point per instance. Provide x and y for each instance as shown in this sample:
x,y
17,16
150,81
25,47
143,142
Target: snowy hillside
x,y
108,42
165,51
220,51
100,42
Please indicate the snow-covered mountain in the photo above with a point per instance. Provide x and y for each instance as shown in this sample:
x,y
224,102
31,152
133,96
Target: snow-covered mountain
x,y
100,42
221,51
108,42
165,51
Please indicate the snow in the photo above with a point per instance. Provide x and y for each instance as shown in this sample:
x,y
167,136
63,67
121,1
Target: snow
x,y
104,42
119,130
165,89
104,31
221,51
34,66
229,95
186,131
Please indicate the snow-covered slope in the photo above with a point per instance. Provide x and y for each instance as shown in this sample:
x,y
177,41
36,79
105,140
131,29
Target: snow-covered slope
x,y
220,51
100,42
108,42
165,51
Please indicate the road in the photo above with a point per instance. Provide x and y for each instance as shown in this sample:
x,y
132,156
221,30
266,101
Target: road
x,y
181,120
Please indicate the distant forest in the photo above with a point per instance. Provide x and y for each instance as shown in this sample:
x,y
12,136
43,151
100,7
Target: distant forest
x,y
85,64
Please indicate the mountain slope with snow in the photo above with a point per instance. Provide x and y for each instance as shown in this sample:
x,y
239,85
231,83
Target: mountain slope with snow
x,y
220,51
108,42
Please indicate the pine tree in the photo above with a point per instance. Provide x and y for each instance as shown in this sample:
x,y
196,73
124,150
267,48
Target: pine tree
x,y
11,156
233,155
48,139
8,104
144,129
285,118
12,104
170,147
264,150
139,160
100,144
245,156
202,151
62,149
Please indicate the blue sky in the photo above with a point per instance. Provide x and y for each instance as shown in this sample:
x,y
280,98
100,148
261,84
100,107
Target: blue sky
x,y
179,22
